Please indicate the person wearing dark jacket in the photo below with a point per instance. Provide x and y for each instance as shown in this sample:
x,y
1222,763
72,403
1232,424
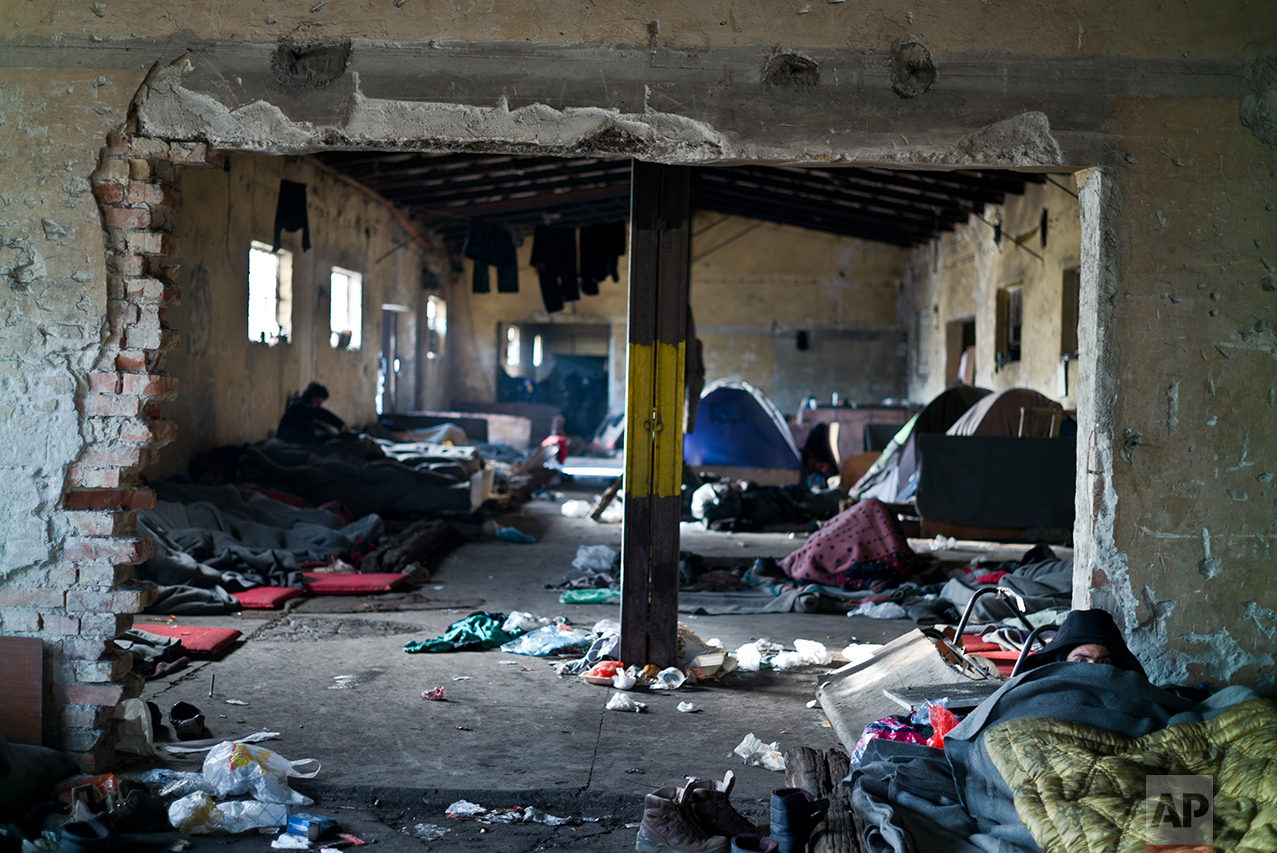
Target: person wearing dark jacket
x,y
1087,636
306,421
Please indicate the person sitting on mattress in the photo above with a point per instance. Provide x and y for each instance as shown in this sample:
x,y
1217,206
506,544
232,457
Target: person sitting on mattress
x,y
1087,636
306,421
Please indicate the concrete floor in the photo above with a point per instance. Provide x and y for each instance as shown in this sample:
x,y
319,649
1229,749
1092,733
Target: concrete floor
x,y
514,734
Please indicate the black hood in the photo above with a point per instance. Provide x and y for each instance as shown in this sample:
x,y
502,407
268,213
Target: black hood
x,y
1087,626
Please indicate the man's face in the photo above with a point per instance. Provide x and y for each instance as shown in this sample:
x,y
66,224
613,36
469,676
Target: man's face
x,y
317,401
1090,653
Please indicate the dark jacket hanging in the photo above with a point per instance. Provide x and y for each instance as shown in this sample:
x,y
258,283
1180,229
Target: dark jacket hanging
x,y
554,256
601,247
290,212
488,244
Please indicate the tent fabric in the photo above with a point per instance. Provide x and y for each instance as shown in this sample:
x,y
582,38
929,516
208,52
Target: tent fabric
x,y
889,480
999,415
737,425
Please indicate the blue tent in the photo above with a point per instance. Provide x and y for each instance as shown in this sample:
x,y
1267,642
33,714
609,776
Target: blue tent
x,y
738,426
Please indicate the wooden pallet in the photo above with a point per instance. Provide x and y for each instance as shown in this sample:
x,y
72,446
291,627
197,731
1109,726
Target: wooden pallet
x,y
820,773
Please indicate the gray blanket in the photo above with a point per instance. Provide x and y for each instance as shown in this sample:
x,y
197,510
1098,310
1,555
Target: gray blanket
x,y
211,541
912,801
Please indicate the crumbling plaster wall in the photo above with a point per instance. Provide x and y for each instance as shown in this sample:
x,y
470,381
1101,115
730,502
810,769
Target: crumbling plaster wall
x,y
750,296
234,390
1173,103
957,277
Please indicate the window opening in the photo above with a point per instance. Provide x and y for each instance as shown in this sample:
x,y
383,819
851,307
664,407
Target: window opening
x,y
1070,308
436,326
1010,324
512,346
345,308
959,337
537,355
270,294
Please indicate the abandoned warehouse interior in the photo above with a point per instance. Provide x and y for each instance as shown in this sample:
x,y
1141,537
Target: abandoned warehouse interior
x,y
867,215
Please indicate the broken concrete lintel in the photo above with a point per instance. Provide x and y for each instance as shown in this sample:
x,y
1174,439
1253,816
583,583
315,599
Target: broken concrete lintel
x,y
167,109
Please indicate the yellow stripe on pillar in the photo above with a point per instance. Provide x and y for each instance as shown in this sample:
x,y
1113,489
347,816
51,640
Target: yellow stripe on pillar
x,y
668,451
640,385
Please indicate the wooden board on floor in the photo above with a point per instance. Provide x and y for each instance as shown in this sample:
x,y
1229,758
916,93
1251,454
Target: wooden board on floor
x,y
22,685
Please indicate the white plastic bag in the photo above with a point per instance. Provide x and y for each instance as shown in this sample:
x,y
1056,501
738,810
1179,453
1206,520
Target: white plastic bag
x,y
519,622
597,557
241,768
576,509
197,814
136,735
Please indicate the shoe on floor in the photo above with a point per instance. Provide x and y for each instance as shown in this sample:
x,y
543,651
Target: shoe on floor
x,y
670,826
714,810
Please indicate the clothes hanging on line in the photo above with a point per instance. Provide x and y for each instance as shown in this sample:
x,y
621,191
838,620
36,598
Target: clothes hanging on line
x,y
489,244
601,248
290,213
554,256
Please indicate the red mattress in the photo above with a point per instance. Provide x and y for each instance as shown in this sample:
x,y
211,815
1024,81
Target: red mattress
x,y
321,583
266,597
196,641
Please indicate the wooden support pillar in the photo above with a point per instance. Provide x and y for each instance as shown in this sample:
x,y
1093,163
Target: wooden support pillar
x,y
660,243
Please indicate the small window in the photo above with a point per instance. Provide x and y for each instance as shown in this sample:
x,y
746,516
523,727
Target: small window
x,y
345,308
537,354
436,326
1010,324
1070,310
270,294
512,345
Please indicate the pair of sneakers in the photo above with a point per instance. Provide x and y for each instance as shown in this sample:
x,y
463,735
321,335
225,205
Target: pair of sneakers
x,y
695,818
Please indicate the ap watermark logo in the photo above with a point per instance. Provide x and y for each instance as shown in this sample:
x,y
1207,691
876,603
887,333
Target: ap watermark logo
x,y
1180,814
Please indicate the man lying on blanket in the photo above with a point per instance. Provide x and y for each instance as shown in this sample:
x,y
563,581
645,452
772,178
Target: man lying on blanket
x,y
1059,759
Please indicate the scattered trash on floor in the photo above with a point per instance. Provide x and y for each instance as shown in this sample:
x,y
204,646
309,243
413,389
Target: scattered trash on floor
x,y
236,702
284,841
806,653
475,632
755,753
857,653
242,768
598,595
426,831
198,814
515,535
466,810
622,702
576,509
192,746
310,825
882,610
551,639
462,677
519,622
688,708
435,694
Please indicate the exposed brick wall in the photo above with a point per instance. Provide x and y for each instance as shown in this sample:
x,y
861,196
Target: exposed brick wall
x,y
80,607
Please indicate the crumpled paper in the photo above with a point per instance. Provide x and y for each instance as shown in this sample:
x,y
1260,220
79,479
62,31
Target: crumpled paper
x,y
758,754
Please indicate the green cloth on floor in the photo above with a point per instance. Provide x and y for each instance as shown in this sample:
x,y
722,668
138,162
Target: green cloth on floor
x,y
476,632
596,595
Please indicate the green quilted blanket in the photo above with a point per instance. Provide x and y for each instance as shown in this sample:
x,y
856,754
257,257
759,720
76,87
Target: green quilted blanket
x,y
1079,788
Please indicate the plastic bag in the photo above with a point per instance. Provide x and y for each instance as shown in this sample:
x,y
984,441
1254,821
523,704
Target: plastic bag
x,y
548,640
807,653
175,783
922,716
136,735
942,721
576,509
241,768
515,535
594,557
596,595
518,622
197,814
766,755
623,702
888,728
